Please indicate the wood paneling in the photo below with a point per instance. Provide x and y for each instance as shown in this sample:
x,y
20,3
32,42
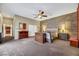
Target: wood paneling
x,y
78,22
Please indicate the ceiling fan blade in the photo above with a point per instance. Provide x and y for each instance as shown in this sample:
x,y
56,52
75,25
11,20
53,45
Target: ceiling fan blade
x,y
44,15
35,15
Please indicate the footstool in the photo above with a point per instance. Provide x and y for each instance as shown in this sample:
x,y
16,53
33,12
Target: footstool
x,y
73,42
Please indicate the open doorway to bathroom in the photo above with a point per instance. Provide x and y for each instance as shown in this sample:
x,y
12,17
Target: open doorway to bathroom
x,y
7,29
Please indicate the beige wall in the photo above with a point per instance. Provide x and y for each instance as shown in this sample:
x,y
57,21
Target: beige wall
x,y
0,23
15,23
5,21
69,20
20,19
8,21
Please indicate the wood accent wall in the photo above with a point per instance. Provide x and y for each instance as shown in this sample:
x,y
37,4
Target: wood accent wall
x,y
78,22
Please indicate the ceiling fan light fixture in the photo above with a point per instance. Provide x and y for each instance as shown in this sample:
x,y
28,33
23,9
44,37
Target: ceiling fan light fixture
x,y
41,14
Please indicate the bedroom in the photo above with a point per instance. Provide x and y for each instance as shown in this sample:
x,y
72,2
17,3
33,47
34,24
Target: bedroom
x,y
19,23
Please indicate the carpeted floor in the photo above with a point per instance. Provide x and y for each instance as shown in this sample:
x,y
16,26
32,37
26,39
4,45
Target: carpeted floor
x,y
29,47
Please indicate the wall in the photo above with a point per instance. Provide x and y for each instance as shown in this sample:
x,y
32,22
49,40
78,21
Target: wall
x,y
0,23
15,23
69,20
4,21
7,21
20,19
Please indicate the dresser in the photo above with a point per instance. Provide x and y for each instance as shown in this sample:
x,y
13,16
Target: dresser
x,y
63,36
23,34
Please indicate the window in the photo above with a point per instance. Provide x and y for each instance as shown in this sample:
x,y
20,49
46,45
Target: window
x,y
32,30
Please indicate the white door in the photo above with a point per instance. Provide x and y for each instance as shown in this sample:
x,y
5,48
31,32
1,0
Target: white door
x,y
32,30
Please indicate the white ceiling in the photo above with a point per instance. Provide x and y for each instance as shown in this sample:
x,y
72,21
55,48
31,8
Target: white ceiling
x,y
29,9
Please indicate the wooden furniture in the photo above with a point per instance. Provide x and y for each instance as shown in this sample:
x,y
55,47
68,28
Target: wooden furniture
x,y
23,34
74,42
40,37
63,36
78,24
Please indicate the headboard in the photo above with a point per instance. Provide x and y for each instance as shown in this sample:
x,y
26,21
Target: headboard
x,y
53,31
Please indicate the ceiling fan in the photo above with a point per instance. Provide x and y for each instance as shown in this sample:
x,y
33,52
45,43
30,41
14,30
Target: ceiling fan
x,y
40,14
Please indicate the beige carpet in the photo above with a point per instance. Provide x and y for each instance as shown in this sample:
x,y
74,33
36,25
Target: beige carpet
x,y
29,47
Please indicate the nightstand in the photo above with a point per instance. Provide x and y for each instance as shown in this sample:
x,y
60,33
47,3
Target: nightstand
x,y
63,36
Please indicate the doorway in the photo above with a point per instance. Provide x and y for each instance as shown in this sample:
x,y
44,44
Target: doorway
x,y
7,32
